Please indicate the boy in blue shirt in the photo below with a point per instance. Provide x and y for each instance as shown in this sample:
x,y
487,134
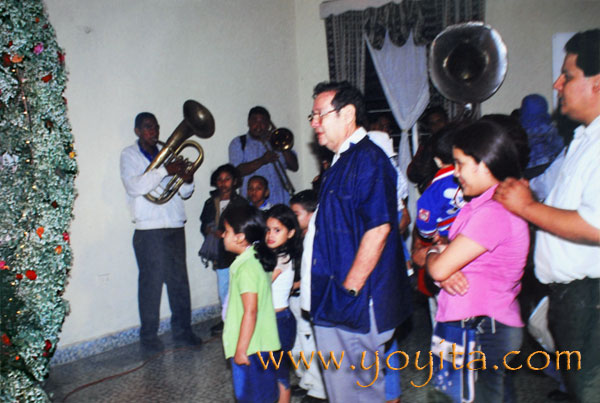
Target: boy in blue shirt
x,y
438,205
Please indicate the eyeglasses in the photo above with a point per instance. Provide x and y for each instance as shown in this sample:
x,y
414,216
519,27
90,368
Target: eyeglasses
x,y
319,116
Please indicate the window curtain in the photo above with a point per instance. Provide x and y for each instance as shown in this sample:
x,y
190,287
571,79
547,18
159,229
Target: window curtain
x,y
402,72
348,21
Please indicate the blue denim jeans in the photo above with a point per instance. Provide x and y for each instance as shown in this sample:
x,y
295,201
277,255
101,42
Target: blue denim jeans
x,y
286,326
223,284
495,340
253,383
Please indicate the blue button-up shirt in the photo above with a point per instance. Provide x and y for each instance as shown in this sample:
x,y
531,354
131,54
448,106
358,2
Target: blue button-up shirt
x,y
255,149
358,193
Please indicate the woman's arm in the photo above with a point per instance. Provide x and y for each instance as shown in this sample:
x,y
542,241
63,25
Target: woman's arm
x,y
250,303
443,261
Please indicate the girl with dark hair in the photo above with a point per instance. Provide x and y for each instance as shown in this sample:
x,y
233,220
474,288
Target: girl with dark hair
x,y
480,269
250,325
284,238
226,179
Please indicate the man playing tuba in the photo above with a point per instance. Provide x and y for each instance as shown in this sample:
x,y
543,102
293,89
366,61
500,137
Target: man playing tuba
x,y
159,237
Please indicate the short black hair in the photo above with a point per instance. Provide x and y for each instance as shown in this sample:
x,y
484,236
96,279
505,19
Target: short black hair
x,y
486,141
250,221
442,142
259,110
345,94
230,169
307,199
141,117
439,109
261,179
586,45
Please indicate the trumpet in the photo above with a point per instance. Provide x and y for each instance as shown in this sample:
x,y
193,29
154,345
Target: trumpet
x,y
197,120
281,139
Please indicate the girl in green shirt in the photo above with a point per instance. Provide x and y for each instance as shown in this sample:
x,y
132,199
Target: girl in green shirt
x,y
250,325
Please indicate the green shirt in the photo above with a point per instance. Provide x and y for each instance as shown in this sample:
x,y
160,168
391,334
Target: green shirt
x,y
246,274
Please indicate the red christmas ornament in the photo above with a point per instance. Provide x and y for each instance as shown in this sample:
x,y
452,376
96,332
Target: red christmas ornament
x,y
31,275
58,250
66,236
19,276
47,78
3,265
61,57
6,59
6,339
47,345
16,58
40,232
10,43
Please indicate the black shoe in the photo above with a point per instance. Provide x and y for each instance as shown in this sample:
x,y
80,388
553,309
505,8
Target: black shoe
x,y
216,329
298,391
187,339
152,345
312,399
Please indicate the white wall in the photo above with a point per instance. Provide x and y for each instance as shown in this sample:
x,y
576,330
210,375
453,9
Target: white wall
x,y
527,27
125,57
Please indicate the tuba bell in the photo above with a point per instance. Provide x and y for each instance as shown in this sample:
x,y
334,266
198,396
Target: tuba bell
x,y
468,62
197,120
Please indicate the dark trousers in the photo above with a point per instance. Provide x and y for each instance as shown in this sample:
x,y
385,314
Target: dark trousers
x,y
160,255
574,320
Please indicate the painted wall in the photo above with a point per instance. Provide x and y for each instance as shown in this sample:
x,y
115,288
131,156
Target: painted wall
x,y
128,56
152,55
527,28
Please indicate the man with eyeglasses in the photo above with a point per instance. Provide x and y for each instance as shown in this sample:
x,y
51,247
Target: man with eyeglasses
x,y
359,288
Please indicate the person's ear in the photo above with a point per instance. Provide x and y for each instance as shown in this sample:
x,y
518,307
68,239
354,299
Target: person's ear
x,y
596,84
291,233
240,238
483,168
137,132
438,162
348,113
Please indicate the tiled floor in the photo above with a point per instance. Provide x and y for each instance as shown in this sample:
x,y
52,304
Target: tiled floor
x,y
201,374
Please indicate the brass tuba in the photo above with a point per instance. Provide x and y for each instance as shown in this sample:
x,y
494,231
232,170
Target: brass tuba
x,y
468,62
197,120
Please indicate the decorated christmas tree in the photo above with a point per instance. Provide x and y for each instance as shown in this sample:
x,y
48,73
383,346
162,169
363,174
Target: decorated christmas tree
x,y
37,169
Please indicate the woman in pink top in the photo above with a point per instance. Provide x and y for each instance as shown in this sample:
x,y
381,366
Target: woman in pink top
x,y
480,269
